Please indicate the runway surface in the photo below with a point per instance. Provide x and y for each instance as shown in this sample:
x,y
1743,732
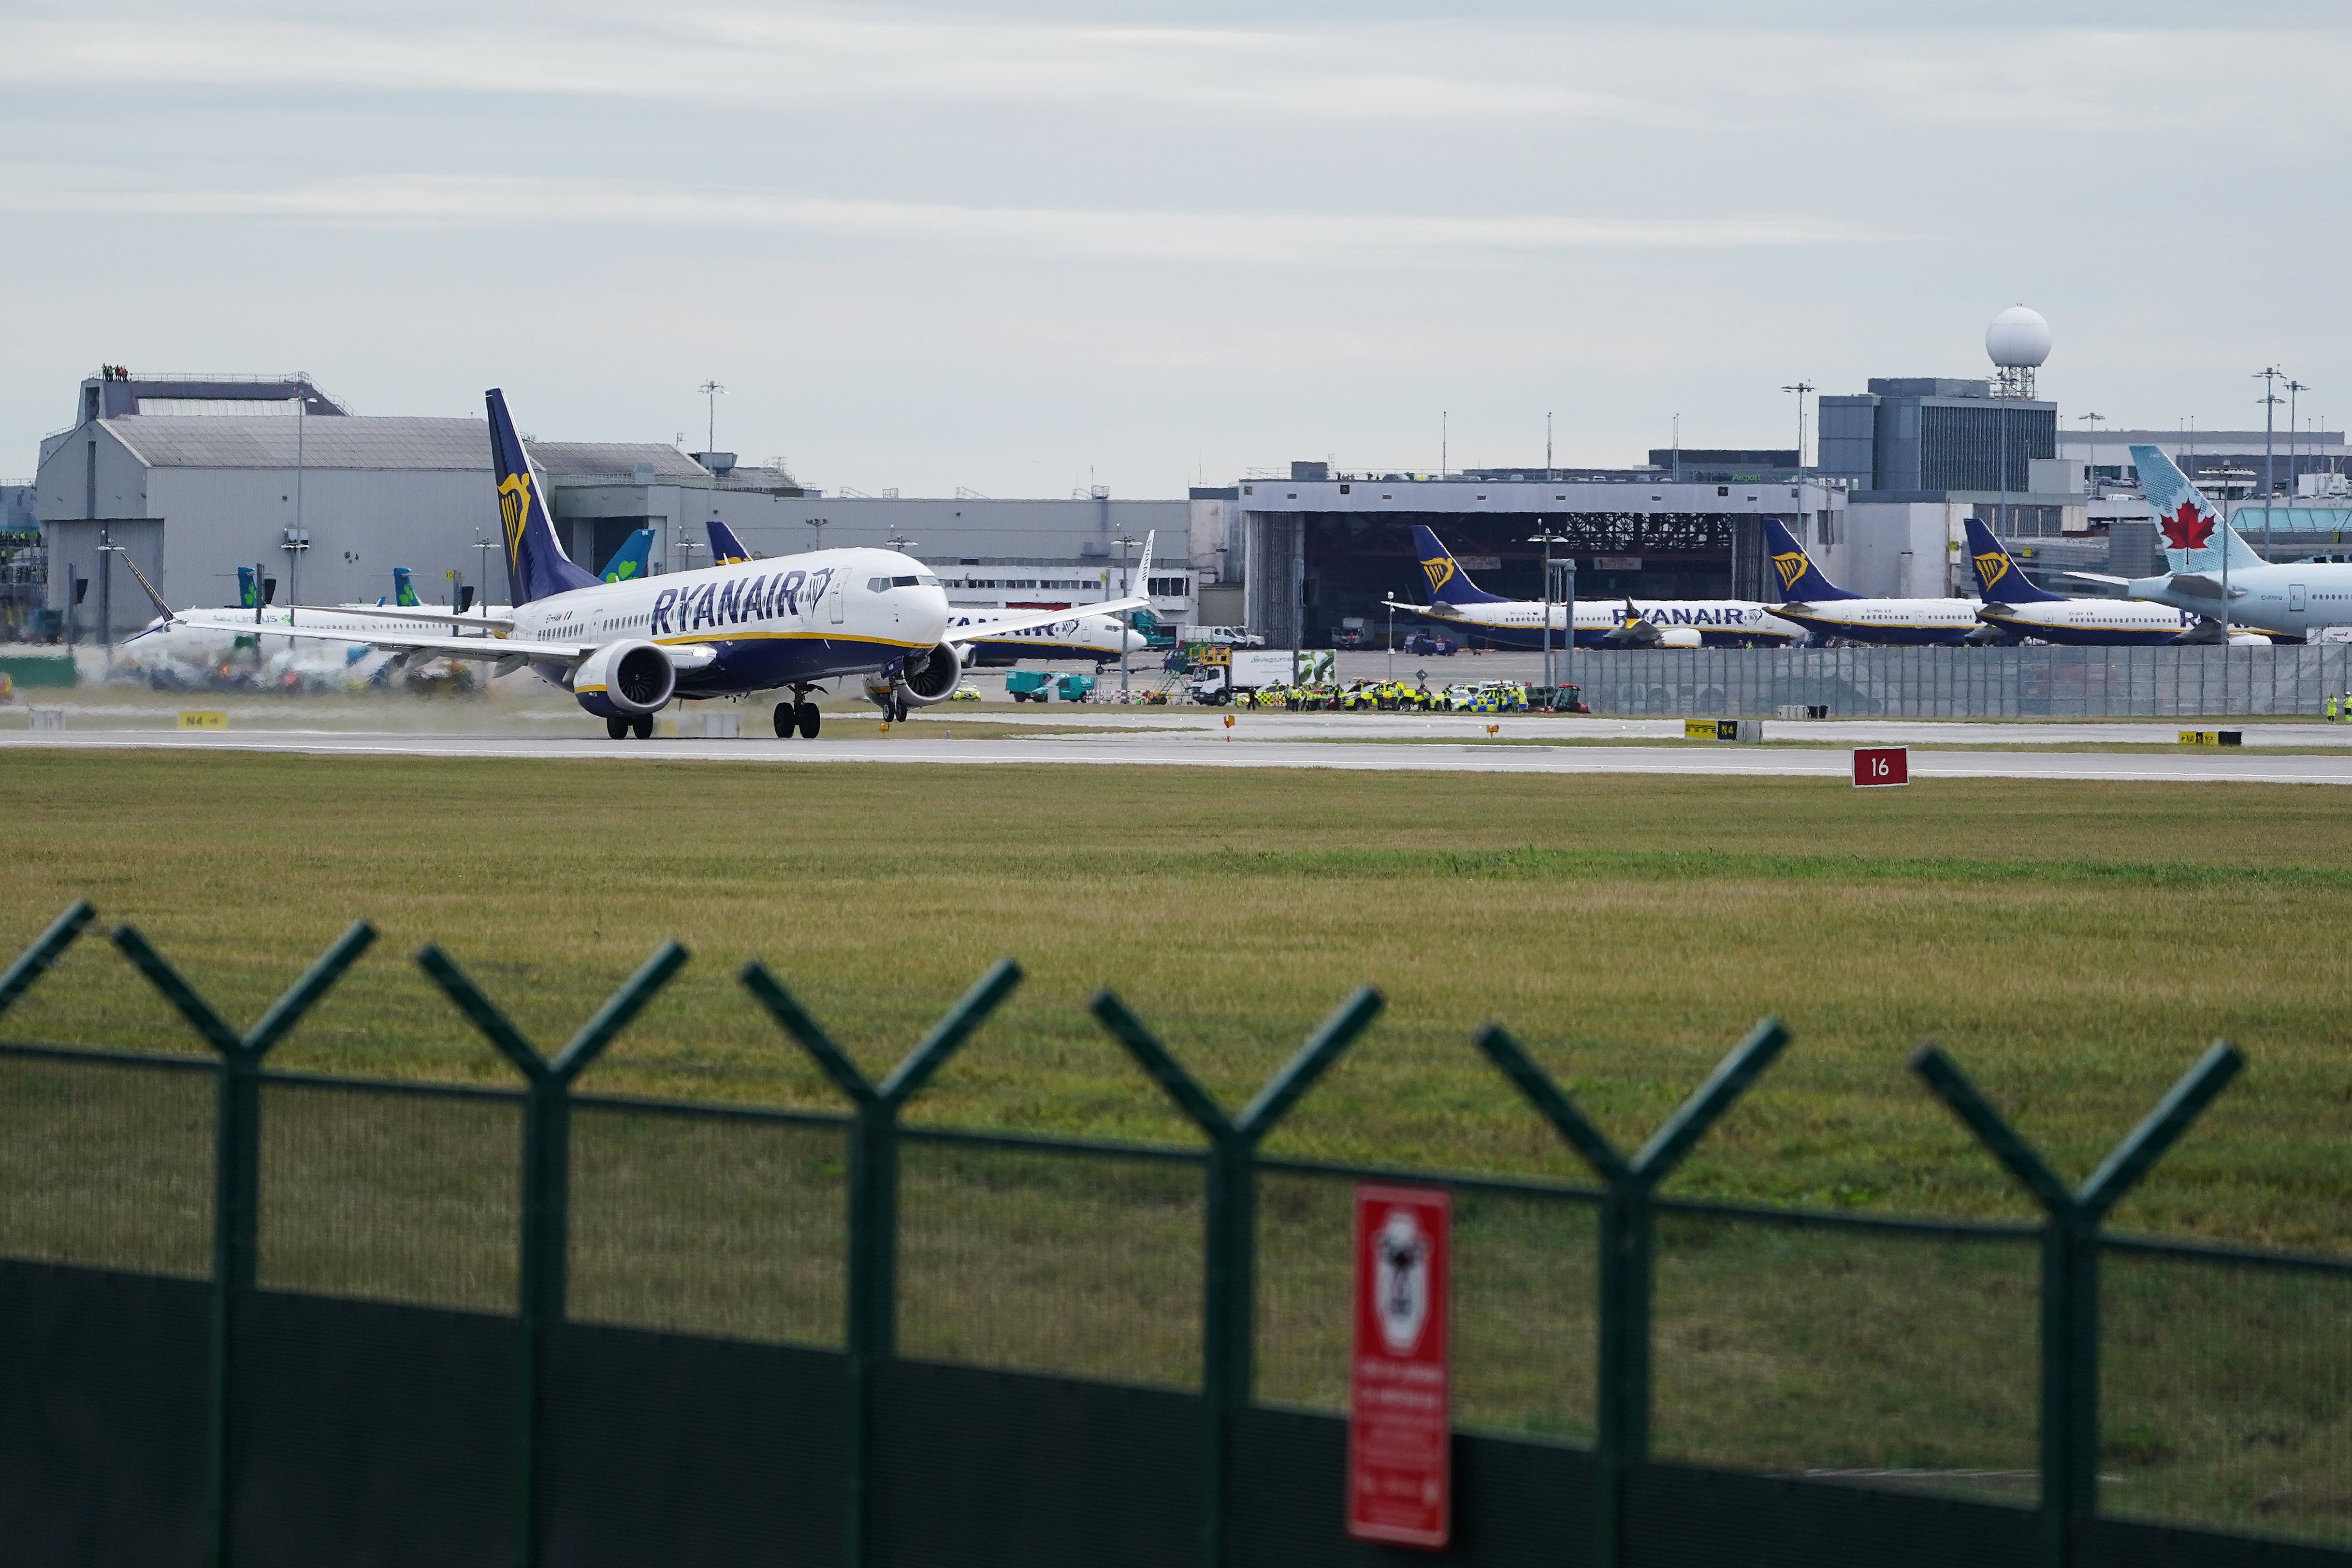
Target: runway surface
x,y
1109,746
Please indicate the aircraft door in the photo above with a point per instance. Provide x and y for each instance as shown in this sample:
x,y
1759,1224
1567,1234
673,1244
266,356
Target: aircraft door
x,y
2294,600
834,609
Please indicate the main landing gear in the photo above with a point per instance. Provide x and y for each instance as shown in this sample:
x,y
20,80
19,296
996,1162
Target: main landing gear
x,y
799,715
642,727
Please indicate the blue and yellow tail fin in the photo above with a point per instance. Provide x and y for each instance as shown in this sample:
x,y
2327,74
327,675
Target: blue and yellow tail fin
x,y
1802,581
404,592
536,564
1998,581
1447,582
248,589
726,550
634,560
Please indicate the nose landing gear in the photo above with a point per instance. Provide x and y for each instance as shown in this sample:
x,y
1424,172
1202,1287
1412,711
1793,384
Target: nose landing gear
x,y
799,714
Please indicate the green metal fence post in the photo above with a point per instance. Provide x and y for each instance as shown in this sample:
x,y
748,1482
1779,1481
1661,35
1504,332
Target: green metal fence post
x,y
1627,1240
870,1329
2070,1267
237,1180
542,1260
1229,1272
46,949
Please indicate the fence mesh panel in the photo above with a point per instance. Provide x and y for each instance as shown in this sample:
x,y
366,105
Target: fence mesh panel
x,y
707,1225
1523,1295
1889,1357
1966,683
2227,1396
107,1164
391,1195
1080,1264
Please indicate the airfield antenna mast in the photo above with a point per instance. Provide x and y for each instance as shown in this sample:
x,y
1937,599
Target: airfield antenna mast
x,y
710,391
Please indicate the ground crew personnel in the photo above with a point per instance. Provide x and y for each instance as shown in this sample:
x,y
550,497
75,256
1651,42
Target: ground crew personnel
x,y
2331,708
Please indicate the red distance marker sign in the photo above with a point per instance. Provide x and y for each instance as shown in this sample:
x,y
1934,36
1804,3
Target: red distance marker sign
x,y
1881,765
1399,1478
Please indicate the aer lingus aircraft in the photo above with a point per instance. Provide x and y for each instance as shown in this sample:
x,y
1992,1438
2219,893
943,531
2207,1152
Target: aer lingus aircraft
x,y
625,650
1456,601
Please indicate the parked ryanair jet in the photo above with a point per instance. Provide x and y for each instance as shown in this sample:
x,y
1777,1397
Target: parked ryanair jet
x,y
2025,610
626,649
1821,605
1456,601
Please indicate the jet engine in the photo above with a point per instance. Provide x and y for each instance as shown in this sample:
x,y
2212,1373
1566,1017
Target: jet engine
x,y
924,680
623,680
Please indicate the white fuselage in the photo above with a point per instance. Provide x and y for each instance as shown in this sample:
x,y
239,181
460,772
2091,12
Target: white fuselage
x,y
1098,637
775,622
1887,620
1522,622
2091,620
2297,597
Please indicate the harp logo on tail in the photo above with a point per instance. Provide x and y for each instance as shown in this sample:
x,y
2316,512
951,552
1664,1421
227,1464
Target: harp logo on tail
x,y
514,511
1791,567
1441,572
1991,567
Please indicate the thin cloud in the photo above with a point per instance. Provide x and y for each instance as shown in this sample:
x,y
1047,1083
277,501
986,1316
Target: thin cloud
x,y
460,201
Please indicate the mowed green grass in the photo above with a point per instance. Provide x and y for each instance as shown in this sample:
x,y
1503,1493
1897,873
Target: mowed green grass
x,y
2075,945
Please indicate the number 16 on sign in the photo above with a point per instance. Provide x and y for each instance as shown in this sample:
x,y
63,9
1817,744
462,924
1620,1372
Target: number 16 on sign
x,y
1400,1480
1881,765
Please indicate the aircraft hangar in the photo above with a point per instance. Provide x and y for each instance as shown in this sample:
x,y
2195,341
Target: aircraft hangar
x,y
1334,544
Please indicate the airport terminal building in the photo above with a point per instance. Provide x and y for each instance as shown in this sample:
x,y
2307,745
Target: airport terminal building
x,y
189,478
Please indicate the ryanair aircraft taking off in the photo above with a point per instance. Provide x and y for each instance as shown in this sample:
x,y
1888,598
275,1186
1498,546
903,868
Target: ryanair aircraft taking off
x,y
1820,604
1600,623
625,650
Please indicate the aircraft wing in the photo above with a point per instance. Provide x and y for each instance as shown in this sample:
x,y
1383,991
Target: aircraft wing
x,y
394,613
684,655
963,637
2098,578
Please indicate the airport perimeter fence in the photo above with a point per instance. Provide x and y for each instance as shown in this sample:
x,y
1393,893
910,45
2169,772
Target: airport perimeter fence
x,y
2197,682
253,1317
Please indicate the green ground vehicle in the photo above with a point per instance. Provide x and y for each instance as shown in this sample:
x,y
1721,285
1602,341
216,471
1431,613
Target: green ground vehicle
x,y
1074,689
1029,686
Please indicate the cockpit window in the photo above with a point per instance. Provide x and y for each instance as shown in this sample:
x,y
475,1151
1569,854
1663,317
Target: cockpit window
x,y
927,581
878,585
902,582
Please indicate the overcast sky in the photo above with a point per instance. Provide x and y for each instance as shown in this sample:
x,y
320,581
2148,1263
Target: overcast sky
x,y
1019,247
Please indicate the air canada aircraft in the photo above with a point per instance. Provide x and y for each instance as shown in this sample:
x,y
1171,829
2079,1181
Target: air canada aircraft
x,y
1456,601
1820,604
626,649
2205,555
1085,635
2026,610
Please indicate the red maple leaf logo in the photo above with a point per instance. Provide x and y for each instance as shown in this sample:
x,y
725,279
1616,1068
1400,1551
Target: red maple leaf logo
x,y
2187,529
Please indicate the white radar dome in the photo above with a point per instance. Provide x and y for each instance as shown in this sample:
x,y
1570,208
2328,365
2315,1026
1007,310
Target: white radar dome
x,y
2018,338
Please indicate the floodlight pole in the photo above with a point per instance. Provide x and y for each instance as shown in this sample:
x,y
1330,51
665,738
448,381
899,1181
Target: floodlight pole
x,y
710,391
1547,537
2267,376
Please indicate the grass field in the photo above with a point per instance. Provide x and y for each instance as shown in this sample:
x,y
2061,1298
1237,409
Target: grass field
x,y
2075,945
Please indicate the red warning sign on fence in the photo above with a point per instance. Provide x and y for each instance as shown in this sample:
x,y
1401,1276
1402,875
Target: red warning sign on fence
x,y
1400,1480
1881,765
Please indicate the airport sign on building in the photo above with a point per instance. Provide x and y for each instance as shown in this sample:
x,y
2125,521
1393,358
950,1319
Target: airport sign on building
x,y
1399,1407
